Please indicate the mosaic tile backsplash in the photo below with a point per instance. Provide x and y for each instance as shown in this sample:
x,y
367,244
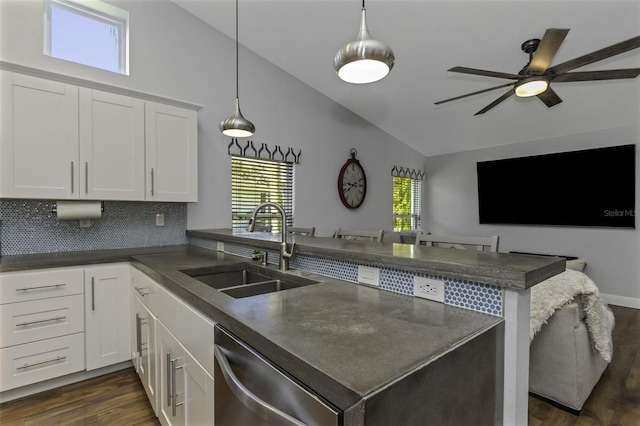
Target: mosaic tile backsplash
x,y
29,226
466,294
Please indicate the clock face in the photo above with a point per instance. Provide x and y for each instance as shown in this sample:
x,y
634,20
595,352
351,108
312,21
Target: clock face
x,y
352,184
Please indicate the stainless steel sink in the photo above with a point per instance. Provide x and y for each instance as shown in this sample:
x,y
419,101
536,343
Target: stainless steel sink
x,y
246,279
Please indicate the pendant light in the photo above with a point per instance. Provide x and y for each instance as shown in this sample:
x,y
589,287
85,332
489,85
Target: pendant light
x,y
364,60
237,126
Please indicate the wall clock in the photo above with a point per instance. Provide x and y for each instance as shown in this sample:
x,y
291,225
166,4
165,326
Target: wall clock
x,y
352,182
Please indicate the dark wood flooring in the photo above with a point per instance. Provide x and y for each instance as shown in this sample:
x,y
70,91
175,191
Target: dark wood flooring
x,y
119,399
114,399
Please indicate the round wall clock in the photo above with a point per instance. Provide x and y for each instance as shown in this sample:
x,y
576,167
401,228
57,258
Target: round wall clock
x,y
352,182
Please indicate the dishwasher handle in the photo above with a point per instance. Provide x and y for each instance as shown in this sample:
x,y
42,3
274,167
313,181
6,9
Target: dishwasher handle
x,y
251,401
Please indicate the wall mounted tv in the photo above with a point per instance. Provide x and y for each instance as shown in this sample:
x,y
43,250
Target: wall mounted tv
x,y
594,187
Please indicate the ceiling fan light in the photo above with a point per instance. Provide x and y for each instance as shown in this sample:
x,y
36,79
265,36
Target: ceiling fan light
x,y
531,87
237,126
364,60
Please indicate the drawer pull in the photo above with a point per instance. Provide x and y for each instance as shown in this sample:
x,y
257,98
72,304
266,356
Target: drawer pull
x,y
23,324
40,287
93,293
56,359
141,291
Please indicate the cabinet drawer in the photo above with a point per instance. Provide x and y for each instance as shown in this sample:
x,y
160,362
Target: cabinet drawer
x,y
34,362
40,284
34,320
145,288
196,335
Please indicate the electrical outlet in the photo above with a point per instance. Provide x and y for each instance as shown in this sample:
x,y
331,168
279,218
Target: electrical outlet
x,y
368,275
428,288
219,245
159,219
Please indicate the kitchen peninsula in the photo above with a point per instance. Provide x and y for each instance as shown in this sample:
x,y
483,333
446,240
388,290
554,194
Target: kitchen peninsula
x,y
473,280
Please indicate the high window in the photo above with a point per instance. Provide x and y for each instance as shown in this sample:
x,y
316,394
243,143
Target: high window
x,y
87,32
256,181
407,193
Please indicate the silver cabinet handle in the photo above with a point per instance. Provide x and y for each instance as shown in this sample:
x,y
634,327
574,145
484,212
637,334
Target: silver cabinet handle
x,y
86,177
138,335
56,359
174,398
251,401
152,181
72,177
169,385
93,294
24,324
141,291
40,287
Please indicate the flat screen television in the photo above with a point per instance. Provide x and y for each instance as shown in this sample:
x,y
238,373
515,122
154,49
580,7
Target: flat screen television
x,y
593,187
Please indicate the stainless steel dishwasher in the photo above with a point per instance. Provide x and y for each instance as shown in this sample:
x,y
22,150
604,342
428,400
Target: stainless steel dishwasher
x,y
250,391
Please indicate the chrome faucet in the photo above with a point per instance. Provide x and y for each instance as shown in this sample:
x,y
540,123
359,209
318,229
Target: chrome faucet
x,y
285,255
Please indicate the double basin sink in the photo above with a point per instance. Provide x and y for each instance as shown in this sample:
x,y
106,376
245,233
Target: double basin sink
x,y
246,279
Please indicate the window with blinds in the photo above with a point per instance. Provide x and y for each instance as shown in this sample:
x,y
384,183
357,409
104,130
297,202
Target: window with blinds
x,y
407,193
256,181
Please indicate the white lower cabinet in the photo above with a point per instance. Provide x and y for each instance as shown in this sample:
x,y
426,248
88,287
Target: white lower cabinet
x,y
144,348
186,389
178,358
107,310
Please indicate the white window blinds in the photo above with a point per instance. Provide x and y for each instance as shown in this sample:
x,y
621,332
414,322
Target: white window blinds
x,y
407,196
256,181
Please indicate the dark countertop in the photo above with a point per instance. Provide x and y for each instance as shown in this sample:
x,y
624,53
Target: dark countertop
x,y
346,340
501,269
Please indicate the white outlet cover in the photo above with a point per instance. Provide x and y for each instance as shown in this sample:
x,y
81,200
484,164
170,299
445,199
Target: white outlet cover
x,y
159,219
220,245
428,288
369,275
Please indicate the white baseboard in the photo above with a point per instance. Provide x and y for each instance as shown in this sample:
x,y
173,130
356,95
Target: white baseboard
x,y
35,388
627,302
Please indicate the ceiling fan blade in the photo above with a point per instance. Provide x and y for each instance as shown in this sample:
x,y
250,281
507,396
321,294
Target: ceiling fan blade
x,y
475,93
496,102
546,50
598,75
598,55
485,73
549,97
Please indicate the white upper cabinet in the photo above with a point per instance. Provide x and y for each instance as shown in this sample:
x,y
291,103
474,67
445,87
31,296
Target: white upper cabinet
x,y
63,141
171,153
111,146
39,138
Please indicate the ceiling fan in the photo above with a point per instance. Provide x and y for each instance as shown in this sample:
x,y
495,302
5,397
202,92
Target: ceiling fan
x,y
535,77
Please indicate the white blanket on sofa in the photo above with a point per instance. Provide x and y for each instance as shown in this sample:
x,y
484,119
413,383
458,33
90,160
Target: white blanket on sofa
x,y
561,289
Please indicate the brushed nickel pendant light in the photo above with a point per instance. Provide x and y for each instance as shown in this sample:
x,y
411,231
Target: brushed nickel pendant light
x,y
237,126
364,60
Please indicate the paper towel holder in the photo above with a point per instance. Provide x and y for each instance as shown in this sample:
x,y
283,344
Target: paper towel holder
x,y
54,209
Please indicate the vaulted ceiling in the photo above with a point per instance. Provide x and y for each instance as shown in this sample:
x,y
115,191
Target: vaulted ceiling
x,y
429,37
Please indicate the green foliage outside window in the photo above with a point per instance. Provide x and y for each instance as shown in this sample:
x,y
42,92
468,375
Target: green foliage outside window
x,y
406,203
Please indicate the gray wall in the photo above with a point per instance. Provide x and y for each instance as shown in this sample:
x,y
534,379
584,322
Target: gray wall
x,y
173,54
451,202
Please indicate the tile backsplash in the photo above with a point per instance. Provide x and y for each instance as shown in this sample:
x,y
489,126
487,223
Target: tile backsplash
x,y
29,226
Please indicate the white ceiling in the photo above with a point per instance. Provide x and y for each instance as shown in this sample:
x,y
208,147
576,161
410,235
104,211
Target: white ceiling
x,y
428,37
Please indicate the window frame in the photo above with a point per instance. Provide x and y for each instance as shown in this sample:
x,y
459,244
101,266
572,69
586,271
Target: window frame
x,y
239,219
98,11
415,215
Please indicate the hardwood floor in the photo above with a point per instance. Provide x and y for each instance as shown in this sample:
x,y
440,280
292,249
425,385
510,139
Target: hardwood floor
x,y
615,400
119,399
114,399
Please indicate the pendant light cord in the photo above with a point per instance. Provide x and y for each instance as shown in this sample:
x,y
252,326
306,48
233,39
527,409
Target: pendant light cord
x,y
237,66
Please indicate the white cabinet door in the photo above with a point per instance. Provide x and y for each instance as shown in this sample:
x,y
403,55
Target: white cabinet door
x,y
198,393
107,313
171,378
171,153
39,138
111,146
144,349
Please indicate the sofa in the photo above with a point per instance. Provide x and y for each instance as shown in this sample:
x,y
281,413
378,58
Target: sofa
x,y
564,366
